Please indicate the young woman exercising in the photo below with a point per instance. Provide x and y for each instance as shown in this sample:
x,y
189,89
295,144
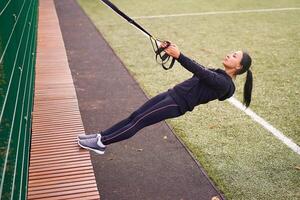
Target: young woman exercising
x,y
205,85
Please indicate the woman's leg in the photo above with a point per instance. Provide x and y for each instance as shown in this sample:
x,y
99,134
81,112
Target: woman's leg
x,y
147,115
148,104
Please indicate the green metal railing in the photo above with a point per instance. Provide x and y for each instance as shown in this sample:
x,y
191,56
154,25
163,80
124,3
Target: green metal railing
x,y
18,35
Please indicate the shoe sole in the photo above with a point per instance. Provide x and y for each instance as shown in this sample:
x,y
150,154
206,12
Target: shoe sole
x,y
91,149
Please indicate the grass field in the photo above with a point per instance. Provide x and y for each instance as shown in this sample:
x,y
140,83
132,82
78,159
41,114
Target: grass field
x,y
243,159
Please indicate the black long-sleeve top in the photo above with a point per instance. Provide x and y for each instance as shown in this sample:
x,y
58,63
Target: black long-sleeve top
x,y
205,85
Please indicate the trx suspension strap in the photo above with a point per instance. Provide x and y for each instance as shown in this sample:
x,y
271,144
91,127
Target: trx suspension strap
x,y
159,51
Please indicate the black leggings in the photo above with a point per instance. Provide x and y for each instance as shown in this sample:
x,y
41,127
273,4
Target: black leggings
x,y
158,108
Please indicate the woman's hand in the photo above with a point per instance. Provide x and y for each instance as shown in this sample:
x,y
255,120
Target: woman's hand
x,y
172,50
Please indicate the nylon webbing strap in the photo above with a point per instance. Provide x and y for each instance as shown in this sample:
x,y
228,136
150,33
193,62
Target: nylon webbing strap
x,y
164,57
159,51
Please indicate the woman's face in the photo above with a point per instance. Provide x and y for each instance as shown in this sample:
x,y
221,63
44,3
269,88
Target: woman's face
x,y
233,60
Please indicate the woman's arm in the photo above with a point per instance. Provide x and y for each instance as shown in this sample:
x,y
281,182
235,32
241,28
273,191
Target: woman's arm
x,y
210,77
200,71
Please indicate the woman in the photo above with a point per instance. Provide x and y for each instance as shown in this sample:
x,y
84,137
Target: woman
x,y
205,85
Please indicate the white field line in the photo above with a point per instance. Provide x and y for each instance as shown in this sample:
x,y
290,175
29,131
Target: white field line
x,y
216,13
266,125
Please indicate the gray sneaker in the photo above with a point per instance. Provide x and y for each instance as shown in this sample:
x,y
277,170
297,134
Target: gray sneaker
x,y
89,136
93,144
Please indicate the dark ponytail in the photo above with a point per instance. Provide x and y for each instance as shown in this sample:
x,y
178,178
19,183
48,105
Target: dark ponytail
x,y
248,88
246,63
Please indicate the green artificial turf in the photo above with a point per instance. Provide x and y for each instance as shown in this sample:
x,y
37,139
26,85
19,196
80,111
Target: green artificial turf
x,y
244,160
